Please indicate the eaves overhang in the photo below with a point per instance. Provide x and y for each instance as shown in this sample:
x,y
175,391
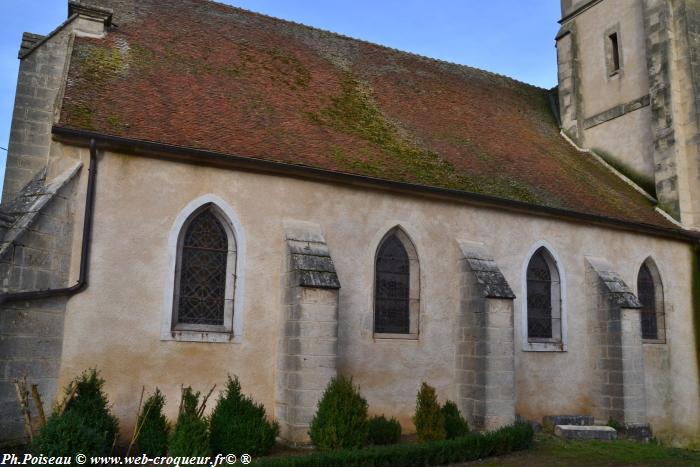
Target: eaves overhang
x,y
195,156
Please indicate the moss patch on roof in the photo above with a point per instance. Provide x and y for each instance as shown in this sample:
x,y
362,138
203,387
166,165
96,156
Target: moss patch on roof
x,y
198,74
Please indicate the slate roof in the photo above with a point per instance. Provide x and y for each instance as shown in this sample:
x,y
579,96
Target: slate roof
x,y
202,75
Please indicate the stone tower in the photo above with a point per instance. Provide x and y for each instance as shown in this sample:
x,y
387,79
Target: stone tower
x,y
629,88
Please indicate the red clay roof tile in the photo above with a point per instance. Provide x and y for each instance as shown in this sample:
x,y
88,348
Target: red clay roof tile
x,y
198,74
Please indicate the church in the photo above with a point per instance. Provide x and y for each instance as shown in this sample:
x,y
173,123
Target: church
x,y
194,190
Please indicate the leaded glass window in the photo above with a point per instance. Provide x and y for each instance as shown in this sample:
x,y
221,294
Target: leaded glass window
x,y
646,290
543,298
391,300
202,280
539,298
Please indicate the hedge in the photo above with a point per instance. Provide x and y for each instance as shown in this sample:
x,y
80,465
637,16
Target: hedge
x,y
469,447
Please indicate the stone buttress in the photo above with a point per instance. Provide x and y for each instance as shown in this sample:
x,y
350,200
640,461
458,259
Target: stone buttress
x,y
485,362
309,343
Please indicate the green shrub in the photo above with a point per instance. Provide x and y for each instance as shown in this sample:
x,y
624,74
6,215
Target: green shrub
x,y
91,403
66,434
83,419
455,424
190,437
383,431
470,447
341,418
430,425
238,425
612,423
153,427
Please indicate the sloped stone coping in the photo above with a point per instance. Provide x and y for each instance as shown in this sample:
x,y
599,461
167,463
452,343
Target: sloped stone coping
x,y
310,257
21,212
620,293
489,277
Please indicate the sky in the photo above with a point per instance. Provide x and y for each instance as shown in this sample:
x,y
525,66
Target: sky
x,y
510,37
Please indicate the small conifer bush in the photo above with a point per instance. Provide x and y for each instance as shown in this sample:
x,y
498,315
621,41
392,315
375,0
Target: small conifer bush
x,y
190,437
383,431
65,434
341,418
455,424
153,427
239,425
430,424
82,421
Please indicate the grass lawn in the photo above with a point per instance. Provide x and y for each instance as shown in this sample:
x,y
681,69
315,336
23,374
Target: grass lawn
x,y
554,452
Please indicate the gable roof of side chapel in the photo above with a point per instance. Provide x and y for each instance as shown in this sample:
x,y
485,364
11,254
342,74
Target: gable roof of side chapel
x,y
209,77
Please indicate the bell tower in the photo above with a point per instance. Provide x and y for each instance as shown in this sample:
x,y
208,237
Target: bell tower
x,y
627,90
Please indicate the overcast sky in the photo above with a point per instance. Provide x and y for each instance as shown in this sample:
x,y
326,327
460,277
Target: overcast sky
x,y
510,37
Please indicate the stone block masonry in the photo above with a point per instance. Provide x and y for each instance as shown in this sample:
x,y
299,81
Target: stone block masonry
x,y
569,89
31,333
485,363
38,84
657,24
308,348
617,340
36,220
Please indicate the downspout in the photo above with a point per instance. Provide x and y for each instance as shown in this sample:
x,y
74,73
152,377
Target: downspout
x,y
84,248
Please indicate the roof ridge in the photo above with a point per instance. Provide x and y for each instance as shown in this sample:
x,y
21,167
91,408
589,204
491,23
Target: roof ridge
x,y
374,44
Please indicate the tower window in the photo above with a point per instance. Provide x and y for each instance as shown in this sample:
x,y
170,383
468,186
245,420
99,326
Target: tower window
x,y
614,57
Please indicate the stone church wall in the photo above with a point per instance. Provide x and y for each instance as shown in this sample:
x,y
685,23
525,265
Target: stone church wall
x,y
115,324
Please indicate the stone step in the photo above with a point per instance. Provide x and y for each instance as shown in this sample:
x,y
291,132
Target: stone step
x,y
605,433
553,420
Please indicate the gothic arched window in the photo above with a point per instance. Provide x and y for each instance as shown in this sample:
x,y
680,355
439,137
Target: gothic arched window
x,y
396,294
204,275
651,295
543,298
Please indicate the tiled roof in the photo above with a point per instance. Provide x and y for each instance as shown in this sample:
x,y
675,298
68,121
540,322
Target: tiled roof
x,y
199,74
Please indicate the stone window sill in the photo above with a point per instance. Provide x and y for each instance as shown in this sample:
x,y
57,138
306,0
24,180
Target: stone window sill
x,y
556,346
201,336
653,341
393,337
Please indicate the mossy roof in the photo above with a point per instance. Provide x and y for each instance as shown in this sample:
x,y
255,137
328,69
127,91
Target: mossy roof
x,y
199,74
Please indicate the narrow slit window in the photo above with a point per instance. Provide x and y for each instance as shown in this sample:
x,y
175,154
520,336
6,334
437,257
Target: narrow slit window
x,y
614,53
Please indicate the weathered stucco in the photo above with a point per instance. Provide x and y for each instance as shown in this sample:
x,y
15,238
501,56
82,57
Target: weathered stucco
x,y
601,91
115,324
625,139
